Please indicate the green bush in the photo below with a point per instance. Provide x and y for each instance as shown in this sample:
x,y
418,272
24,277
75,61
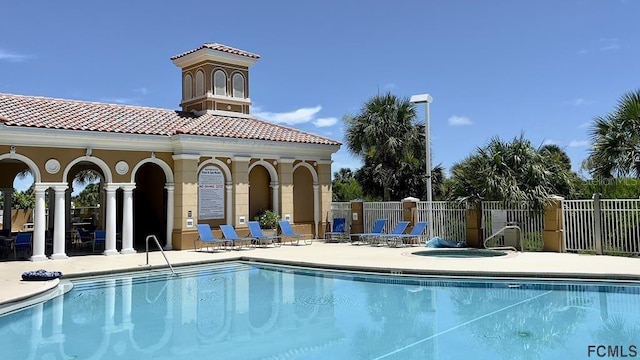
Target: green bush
x,y
267,219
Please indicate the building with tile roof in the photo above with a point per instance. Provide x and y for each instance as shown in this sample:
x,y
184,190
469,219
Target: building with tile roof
x,y
164,171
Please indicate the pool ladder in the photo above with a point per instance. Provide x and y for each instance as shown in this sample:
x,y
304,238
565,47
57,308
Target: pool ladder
x,y
159,247
517,247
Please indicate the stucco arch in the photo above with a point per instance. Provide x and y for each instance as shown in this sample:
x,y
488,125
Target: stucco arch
x,y
106,171
225,169
35,171
313,172
168,173
273,174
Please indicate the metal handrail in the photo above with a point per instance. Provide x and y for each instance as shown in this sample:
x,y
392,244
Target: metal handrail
x,y
159,247
501,232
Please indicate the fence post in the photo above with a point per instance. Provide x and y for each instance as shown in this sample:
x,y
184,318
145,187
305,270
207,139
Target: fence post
x,y
474,226
357,217
552,234
597,223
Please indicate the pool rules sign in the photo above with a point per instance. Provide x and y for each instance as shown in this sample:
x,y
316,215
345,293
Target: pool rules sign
x,y
211,193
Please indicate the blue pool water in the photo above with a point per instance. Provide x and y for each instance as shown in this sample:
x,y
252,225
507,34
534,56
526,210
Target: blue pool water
x,y
252,311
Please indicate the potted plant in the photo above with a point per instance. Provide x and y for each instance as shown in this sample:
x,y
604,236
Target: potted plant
x,y
268,220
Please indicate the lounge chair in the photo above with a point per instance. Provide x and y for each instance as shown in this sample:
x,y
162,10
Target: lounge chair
x,y
388,238
288,233
339,231
229,234
205,237
413,237
22,242
260,238
363,238
99,239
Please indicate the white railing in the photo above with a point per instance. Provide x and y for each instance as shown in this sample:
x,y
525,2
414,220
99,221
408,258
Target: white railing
x,y
392,211
577,217
449,219
497,214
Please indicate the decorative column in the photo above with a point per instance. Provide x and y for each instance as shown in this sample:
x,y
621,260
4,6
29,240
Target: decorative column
x,y
170,187
127,219
316,206
229,206
275,189
6,214
285,172
59,226
39,220
110,227
240,170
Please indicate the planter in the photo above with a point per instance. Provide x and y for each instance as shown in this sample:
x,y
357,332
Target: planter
x,y
269,232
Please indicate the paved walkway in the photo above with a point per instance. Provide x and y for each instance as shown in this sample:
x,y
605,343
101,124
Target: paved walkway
x,y
344,256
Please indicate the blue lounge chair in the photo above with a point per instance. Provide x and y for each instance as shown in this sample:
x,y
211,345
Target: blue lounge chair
x,y
339,231
99,239
260,238
229,234
388,238
364,238
22,243
411,237
287,233
205,237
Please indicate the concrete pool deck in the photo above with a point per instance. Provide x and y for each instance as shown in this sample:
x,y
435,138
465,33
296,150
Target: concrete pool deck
x,y
336,256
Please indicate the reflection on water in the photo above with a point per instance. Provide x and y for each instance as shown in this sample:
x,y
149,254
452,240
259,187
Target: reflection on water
x,y
246,312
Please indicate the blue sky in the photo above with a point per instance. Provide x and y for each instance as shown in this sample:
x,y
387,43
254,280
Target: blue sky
x,y
544,68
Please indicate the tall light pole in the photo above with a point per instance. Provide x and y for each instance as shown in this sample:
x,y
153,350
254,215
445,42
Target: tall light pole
x,y
427,99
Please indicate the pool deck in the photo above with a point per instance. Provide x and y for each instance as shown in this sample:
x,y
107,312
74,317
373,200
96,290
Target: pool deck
x,y
335,256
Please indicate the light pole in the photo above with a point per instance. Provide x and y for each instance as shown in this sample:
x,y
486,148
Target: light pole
x,y
426,99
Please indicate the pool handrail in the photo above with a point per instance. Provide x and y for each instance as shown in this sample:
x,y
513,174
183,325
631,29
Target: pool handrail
x,y
159,247
501,232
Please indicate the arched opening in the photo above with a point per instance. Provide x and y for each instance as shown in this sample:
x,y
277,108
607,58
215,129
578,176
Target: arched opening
x,y
260,195
238,85
187,87
220,83
85,200
199,83
149,205
17,203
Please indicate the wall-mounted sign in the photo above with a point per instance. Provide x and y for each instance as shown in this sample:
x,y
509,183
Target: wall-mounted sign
x,y
211,193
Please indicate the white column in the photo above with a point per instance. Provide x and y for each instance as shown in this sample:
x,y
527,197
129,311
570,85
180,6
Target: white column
x,y
229,205
127,220
59,225
39,225
316,206
275,187
6,213
110,225
170,190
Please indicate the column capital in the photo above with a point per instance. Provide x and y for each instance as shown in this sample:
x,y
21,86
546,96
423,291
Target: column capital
x,y
57,186
229,186
170,186
111,187
315,186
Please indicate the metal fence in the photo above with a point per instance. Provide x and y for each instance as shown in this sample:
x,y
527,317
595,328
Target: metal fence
x,y
392,211
496,215
449,219
340,210
616,229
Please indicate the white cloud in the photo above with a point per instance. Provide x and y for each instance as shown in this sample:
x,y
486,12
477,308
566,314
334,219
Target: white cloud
x,y
584,125
609,44
120,100
550,142
582,51
579,143
456,120
141,90
299,116
325,122
12,57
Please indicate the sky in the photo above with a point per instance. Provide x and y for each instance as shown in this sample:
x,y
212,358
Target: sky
x,y
541,68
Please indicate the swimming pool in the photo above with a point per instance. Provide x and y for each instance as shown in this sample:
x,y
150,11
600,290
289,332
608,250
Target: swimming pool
x,y
250,311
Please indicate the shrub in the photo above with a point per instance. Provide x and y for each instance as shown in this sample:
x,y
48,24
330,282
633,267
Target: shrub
x,y
267,219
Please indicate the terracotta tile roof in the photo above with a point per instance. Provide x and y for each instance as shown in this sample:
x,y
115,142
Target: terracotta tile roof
x,y
219,47
51,113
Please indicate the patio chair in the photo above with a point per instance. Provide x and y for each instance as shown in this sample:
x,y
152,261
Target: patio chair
x,y
288,233
339,231
99,239
413,237
229,234
388,238
363,238
85,238
22,243
260,238
205,237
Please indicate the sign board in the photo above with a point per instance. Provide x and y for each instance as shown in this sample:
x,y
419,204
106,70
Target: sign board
x,y
498,220
211,193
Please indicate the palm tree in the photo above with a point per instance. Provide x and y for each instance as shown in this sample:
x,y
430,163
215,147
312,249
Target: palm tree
x,y
383,134
616,140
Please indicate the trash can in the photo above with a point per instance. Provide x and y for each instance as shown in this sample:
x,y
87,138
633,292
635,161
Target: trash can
x,y
512,235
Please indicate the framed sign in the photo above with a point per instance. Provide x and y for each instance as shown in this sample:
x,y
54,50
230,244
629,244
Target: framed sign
x,y
211,193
